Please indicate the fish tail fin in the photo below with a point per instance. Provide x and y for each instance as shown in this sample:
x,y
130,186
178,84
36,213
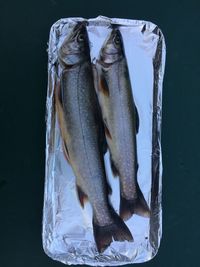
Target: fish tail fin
x,y
138,206
117,231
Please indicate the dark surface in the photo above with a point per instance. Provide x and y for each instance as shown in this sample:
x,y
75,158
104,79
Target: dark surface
x,y
24,32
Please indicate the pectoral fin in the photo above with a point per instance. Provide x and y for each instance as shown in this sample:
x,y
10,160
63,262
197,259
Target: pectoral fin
x,y
103,85
100,82
61,118
82,196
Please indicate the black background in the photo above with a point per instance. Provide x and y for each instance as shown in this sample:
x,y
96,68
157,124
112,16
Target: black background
x,y
24,30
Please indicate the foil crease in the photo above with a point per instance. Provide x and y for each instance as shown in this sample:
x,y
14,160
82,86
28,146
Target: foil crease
x,y
67,229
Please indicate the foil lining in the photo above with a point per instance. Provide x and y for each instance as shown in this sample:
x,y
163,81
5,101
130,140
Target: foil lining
x,y
67,228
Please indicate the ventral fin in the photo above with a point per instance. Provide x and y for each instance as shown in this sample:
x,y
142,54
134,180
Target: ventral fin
x,y
65,151
58,93
109,188
82,196
136,120
107,132
99,121
113,167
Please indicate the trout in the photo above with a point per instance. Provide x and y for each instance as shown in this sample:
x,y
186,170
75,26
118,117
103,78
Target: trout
x,y
83,136
121,122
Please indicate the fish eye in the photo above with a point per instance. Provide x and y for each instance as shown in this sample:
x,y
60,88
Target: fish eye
x,y
81,37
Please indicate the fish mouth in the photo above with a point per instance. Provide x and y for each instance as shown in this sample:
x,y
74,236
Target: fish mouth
x,y
67,48
112,48
115,31
80,26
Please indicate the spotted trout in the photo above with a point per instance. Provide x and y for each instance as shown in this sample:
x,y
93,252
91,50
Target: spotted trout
x,y
83,136
121,122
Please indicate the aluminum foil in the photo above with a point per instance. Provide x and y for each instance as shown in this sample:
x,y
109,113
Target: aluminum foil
x,y
67,228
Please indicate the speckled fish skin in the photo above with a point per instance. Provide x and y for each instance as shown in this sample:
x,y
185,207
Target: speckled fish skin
x,y
121,122
81,130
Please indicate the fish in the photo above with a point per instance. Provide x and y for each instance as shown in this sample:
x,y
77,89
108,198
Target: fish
x,y
83,136
121,122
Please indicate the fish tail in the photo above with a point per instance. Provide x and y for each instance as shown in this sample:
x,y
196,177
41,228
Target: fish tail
x,y
117,231
138,206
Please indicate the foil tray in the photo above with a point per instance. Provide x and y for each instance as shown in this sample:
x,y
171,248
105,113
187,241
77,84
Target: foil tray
x,y
67,228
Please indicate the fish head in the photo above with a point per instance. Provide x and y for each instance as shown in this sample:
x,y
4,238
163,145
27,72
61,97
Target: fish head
x,y
75,48
112,49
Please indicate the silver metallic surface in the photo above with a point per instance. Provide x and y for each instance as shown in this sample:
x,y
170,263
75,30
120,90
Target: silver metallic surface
x,y
67,228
